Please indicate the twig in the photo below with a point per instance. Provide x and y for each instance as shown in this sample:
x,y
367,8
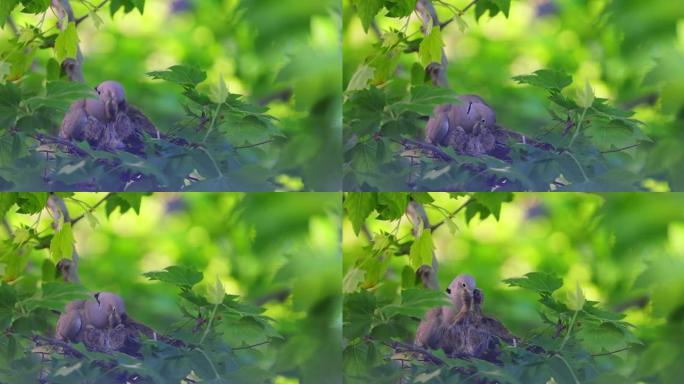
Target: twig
x,y
254,145
97,8
68,349
46,139
621,149
612,352
429,148
459,209
404,347
79,218
251,346
13,26
460,13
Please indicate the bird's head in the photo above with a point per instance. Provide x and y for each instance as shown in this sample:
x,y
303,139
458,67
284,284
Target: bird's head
x,y
460,289
113,96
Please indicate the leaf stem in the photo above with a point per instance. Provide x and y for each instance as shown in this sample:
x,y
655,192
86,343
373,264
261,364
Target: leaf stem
x,y
579,125
212,160
210,362
213,121
567,365
567,335
577,163
211,320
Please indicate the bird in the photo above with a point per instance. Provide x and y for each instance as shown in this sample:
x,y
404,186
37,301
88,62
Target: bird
x,y
91,320
461,329
70,323
469,127
107,121
432,329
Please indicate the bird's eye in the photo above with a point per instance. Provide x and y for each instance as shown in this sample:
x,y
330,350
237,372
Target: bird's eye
x,y
463,285
448,290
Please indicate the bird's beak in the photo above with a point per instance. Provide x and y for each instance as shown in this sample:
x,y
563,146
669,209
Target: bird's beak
x,y
111,106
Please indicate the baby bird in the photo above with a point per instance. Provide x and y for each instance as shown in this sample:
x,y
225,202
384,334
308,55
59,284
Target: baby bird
x,y
92,320
108,122
468,127
432,329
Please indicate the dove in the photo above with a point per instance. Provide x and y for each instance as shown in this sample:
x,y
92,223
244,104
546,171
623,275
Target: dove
x,y
469,127
71,322
105,311
107,122
432,329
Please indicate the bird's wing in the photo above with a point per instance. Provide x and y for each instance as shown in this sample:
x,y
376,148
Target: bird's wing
x,y
438,125
496,328
74,122
142,122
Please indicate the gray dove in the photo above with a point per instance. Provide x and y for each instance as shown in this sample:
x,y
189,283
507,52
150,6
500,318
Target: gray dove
x,y
432,330
106,311
108,122
468,127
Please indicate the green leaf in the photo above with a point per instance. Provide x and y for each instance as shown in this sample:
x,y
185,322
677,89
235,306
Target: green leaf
x,y
184,75
364,73
415,302
177,275
358,206
585,98
66,44
546,78
430,50
124,202
503,5
367,9
424,98
127,5
31,202
563,372
6,7
576,299
493,201
421,250
35,6
391,205
220,91
537,281
400,8
62,243
216,292
352,279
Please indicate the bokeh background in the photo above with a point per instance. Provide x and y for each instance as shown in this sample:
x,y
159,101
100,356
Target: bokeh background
x,y
626,251
281,54
629,50
279,251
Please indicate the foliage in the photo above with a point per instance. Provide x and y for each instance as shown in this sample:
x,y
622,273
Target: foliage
x,y
212,139
575,140
588,306
195,268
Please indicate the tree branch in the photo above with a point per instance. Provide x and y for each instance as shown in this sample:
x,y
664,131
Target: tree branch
x,y
428,15
91,209
97,8
461,13
75,68
454,213
59,209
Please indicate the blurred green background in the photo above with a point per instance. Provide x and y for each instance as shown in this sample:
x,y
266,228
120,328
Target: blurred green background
x,y
625,250
262,48
279,251
629,50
